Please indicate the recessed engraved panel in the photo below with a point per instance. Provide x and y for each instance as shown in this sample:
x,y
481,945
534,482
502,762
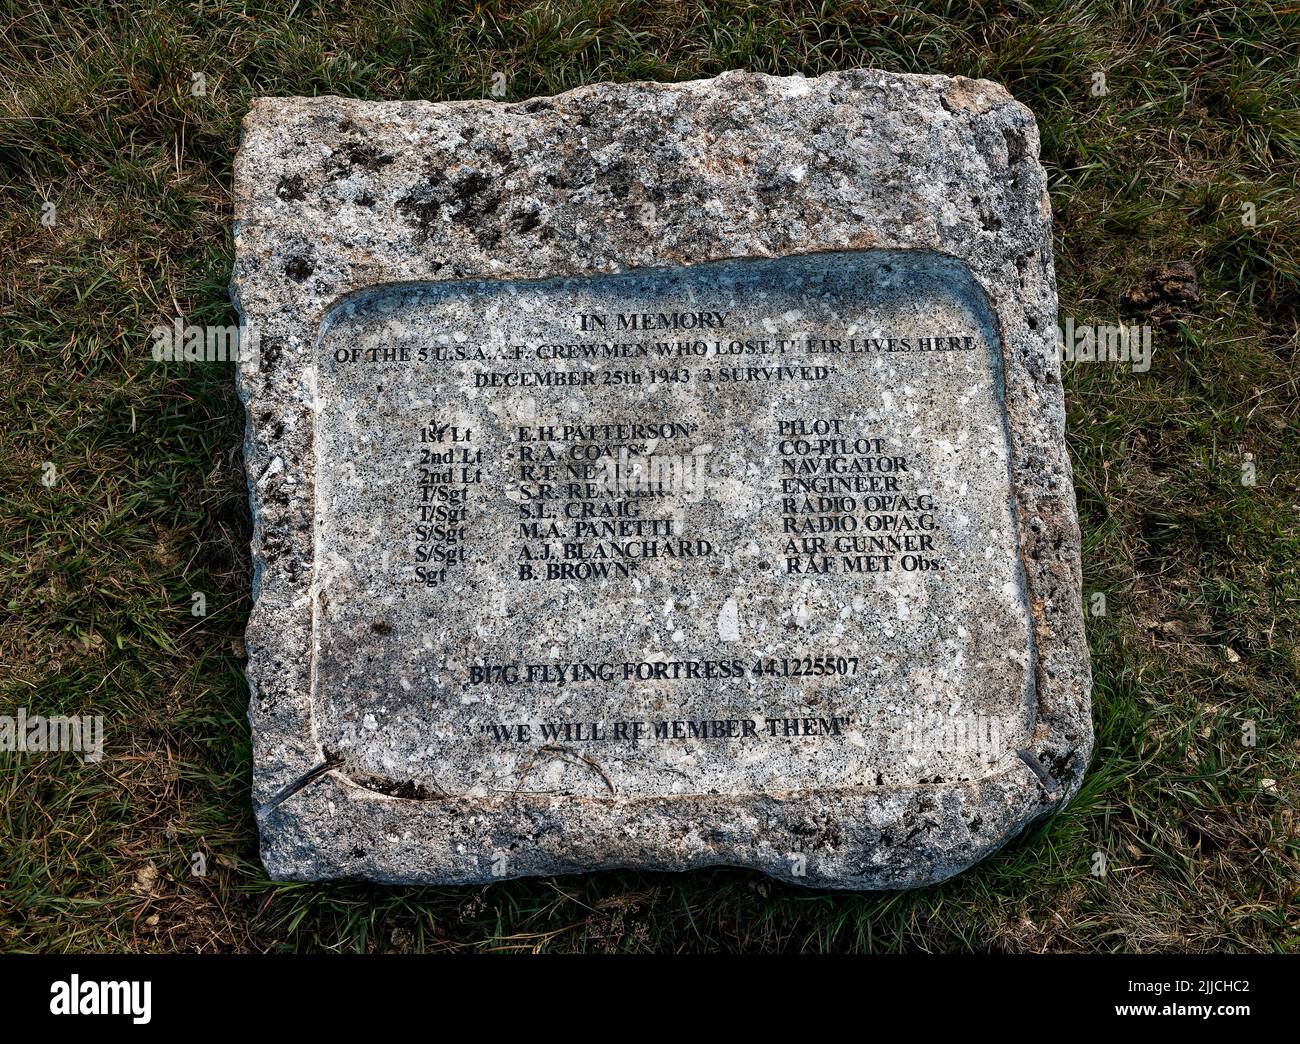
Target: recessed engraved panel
x,y
735,527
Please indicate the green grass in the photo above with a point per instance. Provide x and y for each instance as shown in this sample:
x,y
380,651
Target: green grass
x,y
96,571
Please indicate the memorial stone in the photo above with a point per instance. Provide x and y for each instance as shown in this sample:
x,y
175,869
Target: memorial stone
x,y
659,476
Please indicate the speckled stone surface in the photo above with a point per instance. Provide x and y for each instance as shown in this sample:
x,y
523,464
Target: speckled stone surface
x,y
789,581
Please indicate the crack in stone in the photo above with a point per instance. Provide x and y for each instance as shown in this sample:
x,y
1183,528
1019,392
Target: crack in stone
x,y
1050,785
288,791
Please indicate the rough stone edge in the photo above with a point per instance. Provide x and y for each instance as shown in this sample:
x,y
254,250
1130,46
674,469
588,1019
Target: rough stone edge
x,y
310,816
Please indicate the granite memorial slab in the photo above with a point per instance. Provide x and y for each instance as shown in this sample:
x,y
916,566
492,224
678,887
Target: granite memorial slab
x,y
657,476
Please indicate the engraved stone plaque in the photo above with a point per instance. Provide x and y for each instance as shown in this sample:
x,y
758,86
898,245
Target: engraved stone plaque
x,y
714,528
659,502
